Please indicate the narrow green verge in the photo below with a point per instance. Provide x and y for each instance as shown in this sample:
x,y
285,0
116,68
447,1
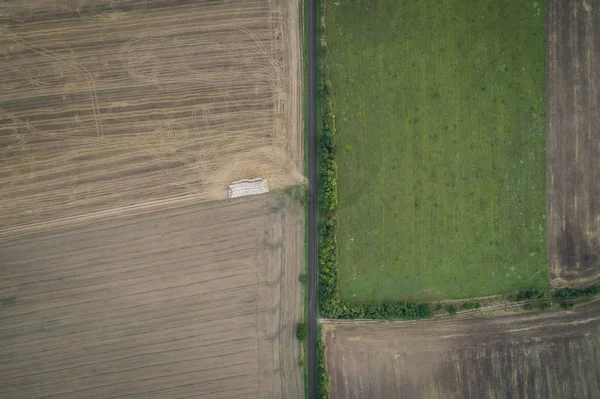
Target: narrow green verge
x,y
322,376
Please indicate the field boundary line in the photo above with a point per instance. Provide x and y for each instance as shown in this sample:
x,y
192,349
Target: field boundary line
x,y
460,314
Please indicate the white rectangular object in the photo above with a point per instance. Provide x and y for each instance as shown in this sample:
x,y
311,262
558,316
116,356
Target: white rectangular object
x,y
247,187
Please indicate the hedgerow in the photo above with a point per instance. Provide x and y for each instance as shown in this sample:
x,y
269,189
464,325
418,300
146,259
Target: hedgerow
x,y
322,376
575,292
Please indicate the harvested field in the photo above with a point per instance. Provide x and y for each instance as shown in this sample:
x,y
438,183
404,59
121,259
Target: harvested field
x,y
529,355
201,302
573,162
108,104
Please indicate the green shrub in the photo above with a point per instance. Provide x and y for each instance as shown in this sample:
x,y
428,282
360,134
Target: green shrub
x,y
566,305
529,306
301,331
524,295
545,305
451,309
575,292
323,377
303,278
327,176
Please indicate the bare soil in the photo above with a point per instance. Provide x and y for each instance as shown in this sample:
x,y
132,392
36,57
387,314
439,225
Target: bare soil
x,y
199,301
552,354
573,137
108,104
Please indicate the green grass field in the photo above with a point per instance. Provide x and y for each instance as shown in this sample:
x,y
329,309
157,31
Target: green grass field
x,y
441,146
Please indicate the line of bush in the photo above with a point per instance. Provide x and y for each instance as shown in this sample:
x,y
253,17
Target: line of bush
x,y
544,298
575,292
528,295
327,179
322,376
301,331
564,293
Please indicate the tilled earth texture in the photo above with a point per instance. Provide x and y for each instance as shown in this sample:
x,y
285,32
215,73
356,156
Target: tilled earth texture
x,y
196,302
552,354
573,143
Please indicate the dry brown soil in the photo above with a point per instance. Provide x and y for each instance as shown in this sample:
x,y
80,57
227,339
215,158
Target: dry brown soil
x,y
553,354
199,301
112,104
573,141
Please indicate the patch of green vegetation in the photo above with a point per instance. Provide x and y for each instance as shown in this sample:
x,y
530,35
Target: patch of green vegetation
x,y
278,206
544,305
563,293
304,342
527,295
322,376
298,192
302,331
440,113
7,300
566,305
575,292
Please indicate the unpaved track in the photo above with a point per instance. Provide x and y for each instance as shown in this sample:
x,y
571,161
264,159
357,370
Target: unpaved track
x,y
573,141
106,105
552,354
199,301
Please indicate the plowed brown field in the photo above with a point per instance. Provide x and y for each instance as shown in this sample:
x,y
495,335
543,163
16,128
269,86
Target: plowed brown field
x,y
107,104
573,141
200,301
533,355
